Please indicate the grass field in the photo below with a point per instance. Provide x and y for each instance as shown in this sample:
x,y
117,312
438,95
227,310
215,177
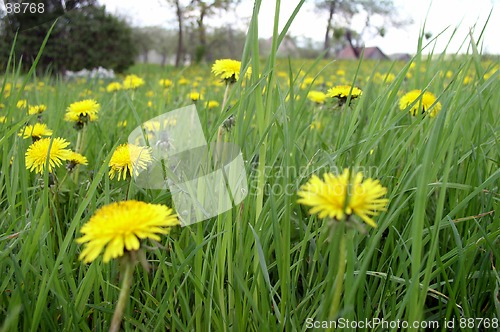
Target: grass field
x,y
267,264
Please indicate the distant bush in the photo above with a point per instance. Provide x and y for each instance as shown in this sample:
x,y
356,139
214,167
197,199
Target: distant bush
x,y
85,36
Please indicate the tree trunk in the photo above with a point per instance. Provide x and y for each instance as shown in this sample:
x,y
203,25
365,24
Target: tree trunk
x,y
180,42
355,49
326,46
202,38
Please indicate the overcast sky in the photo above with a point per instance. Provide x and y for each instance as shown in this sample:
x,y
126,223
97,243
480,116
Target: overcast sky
x,y
440,14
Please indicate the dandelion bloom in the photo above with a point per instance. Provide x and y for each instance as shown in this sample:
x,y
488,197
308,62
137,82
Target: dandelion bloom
x,y
113,87
82,111
316,96
22,103
74,159
36,131
132,82
166,83
316,125
212,104
120,226
3,119
129,158
342,92
195,96
37,109
38,152
328,197
423,103
228,70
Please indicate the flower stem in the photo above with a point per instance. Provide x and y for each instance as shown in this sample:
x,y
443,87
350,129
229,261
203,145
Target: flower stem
x,y
127,195
341,267
124,295
80,138
223,108
78,149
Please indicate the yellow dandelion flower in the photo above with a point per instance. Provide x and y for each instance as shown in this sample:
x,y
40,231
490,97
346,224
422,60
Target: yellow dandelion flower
x,y
122,124
132,82
183,81
467,79
282,74
85,93
166,83
490,73
3,119
36,131
37,109
83,111
342,91
315,125
113,87
382,78
120,226
327,197
424,103
22,103
308,81
74,159
129,159
212,104
229,70
317,97
195,96
2,106
38,152
77,159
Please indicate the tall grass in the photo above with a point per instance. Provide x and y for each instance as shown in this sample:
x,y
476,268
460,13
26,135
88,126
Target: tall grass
x,y
265,264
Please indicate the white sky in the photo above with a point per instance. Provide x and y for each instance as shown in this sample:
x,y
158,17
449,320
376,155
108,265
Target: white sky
x,y
310,24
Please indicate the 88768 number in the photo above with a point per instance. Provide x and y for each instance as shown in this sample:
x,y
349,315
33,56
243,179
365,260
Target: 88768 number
x,y
25,7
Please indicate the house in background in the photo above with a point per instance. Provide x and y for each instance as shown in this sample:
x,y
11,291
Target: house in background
x,y
353,53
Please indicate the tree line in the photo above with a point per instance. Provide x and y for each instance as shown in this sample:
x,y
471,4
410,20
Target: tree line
x,y
85,35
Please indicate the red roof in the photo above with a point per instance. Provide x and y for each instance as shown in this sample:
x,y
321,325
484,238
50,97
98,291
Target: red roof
x,y
370,53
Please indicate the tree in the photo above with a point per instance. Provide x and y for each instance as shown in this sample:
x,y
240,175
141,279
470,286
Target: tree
x,y
202,9
164,40
196,12
181,7
144,41
85,36
154,38
341,12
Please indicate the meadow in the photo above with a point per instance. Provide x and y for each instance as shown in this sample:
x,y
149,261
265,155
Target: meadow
x,y
268,263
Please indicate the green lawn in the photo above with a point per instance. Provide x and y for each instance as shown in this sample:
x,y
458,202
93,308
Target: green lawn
x,y
267,264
